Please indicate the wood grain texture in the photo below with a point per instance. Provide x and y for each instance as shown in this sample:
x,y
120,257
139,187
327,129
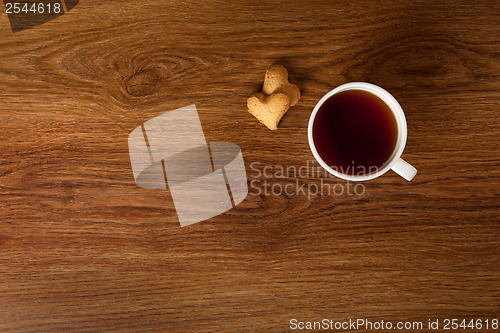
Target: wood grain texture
x,y
83,249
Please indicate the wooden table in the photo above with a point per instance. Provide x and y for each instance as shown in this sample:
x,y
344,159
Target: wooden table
x,y
83,249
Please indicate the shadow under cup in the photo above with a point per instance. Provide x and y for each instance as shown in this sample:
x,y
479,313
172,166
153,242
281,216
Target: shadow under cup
x,y
357,131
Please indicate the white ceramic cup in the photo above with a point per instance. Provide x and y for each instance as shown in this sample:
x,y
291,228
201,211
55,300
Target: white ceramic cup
x,y
395,162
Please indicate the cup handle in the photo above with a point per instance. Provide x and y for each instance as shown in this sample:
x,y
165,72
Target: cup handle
x,y
404,169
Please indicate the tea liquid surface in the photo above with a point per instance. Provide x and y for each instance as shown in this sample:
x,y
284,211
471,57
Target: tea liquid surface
x,y
355,132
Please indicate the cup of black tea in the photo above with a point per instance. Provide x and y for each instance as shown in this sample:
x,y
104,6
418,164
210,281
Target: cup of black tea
x,y
358,132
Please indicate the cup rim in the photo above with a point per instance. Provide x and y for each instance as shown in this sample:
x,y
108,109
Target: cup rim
x,y
393,105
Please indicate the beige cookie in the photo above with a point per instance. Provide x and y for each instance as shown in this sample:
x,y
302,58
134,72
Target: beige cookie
x,y
268,109
276,80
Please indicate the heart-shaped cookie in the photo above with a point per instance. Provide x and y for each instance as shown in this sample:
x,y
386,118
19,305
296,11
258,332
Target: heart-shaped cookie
x,y
276,81
268,109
